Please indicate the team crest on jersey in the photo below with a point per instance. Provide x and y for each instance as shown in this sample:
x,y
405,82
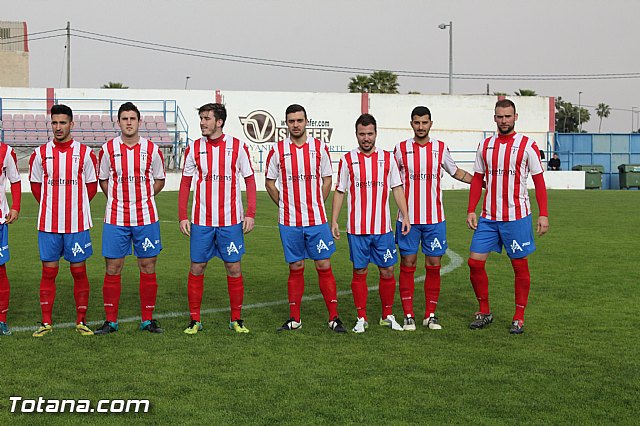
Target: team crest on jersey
x,y
231,248
143,155
77,249
515,246
435,244
322,246
147,244
389,255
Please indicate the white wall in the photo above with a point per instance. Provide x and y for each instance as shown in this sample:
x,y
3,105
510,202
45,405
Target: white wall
x,y
460,121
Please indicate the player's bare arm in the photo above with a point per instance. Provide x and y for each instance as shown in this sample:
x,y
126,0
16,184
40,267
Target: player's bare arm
x,y
104,186
326,187
272,190
398,195
336,206
463,176
158,184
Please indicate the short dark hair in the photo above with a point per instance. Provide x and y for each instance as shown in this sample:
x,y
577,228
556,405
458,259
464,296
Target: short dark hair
x,y
506,103
366,120
420,111
62,109
295,108
219,111
128,106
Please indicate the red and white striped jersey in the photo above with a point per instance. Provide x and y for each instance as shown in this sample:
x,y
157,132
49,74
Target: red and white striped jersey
x,y
368,181
421,170
299,171
131,172
9,173
506,162
64,174
217,167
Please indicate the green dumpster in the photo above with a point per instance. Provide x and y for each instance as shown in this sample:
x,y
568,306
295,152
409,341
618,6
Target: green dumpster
x,y
592,175
629,175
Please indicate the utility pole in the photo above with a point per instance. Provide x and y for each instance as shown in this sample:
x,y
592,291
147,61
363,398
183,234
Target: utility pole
x,y
68,54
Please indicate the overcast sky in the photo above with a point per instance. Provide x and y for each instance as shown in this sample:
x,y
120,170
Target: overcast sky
x,y
494,37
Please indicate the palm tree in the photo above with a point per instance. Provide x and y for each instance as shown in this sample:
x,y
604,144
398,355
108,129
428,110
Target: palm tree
x,y
384,82
360,84
525,92
114,85
603,110
377,82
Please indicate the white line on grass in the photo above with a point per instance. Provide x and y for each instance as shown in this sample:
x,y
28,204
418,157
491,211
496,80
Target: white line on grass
x,y
454,263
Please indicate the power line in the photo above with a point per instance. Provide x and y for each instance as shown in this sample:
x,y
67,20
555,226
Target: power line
x,y
251,60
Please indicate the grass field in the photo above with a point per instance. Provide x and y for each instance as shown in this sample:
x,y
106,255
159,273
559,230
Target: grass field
x,y
576,363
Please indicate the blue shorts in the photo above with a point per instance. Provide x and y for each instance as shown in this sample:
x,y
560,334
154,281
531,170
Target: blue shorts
x,y
377,249
433,238
516,237
225,242
117,240
4,244
302,242
76,247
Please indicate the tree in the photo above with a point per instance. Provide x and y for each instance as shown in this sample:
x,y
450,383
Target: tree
x,y
377,82
525,92
603,110
360,84
499,93
567,116
114,85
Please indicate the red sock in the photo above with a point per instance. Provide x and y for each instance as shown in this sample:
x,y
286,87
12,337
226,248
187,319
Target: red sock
x,y
235,285
431,289
4,293
329,291
80,291
47,292
387,293
407,288
195,288
480,283
360,292
148,293
295,289
111,296
522,286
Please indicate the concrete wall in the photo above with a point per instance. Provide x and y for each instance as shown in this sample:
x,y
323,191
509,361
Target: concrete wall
x,y
14,69
461,121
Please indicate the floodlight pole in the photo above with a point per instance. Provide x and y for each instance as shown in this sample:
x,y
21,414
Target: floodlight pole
x,y
450,26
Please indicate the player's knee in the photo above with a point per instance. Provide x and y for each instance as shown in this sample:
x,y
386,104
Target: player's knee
x,y
323,264
296,265
386,273
147,265
409,261
197,269
233,269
